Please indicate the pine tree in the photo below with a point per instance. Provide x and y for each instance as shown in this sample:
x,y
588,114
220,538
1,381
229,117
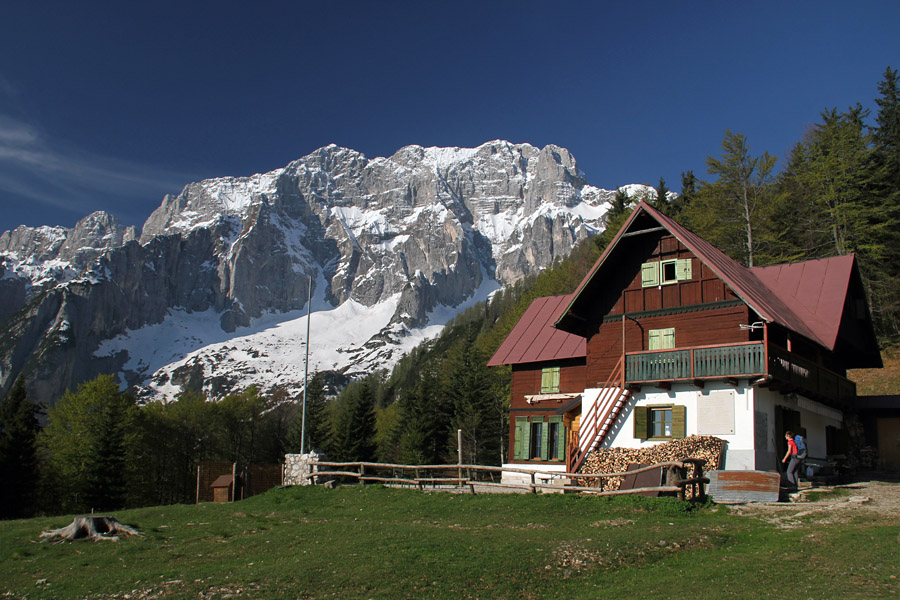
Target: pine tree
x,y
18,458
885,287
318,431
887,133
467,383
688,191
354,429
85,446
661,203
731,211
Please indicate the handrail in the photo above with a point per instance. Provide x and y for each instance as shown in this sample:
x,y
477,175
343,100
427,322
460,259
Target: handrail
x,y
594,424
704,347
692,362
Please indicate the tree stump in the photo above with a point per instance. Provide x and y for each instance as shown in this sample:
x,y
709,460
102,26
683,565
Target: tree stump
x,y
95,528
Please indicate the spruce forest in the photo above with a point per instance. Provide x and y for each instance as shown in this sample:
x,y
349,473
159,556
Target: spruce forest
x,y
837,192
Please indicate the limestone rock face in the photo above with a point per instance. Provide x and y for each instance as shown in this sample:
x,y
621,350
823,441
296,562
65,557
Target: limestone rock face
x,y
423,229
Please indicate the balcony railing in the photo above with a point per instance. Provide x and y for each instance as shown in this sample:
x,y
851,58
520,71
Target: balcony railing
x,y
785,369
705,362
808,377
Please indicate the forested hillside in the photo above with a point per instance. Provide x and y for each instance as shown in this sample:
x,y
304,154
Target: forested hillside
x,y
838,191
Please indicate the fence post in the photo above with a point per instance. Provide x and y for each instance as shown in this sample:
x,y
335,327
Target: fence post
x,y
459,481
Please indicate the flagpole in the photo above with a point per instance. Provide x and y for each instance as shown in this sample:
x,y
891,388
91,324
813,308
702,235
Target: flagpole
x,y
306,369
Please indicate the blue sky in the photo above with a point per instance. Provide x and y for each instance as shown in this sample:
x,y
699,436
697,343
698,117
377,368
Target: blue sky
x,y
110,105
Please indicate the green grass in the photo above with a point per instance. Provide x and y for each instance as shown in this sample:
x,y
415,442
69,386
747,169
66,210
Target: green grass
x,y
381,543
819,495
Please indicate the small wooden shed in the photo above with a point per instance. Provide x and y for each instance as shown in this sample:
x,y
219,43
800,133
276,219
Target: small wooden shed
x,y
222,487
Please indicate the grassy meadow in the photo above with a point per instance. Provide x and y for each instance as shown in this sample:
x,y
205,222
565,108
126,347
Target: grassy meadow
x,y
376,542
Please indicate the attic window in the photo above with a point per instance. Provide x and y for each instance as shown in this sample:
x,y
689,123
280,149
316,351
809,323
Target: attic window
x,y
665,272
667,268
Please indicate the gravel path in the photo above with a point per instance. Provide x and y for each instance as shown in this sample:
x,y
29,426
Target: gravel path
x,y
879,499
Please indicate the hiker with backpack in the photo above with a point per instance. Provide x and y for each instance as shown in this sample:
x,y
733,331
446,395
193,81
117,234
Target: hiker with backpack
x,y
792,454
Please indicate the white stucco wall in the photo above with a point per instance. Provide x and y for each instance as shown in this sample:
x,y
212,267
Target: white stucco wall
x,y
751,441
814,417
525,478
740,453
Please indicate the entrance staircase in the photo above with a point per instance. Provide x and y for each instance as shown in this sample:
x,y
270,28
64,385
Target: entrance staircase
x,y
599,419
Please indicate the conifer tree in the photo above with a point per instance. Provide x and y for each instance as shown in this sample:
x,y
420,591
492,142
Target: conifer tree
x,y
318,431
18,459
354,429
730,212
887,132
84,444
662,201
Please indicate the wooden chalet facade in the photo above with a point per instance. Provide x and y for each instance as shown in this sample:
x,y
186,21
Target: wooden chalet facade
x,y
680,339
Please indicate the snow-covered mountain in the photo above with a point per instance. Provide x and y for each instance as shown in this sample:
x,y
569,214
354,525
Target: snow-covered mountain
x,y
213,292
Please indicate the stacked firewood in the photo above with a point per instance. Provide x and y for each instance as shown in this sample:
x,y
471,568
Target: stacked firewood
x,y
616,460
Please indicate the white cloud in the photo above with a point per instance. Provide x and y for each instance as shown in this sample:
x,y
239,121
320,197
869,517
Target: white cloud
x,y
38,168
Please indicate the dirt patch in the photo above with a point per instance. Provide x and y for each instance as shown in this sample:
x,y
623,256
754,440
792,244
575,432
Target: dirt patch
x,y
875,498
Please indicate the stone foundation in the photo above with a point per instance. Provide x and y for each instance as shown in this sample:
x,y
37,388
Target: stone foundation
x,y
297,468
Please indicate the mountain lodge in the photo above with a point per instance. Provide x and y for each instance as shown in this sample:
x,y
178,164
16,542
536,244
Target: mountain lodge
x,y
666,337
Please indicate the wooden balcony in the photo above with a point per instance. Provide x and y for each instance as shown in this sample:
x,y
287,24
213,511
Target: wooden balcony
x,y
781,369
790,372
696,364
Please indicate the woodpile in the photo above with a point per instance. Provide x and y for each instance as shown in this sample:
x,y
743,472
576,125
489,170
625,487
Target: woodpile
x,y
616,460
95,528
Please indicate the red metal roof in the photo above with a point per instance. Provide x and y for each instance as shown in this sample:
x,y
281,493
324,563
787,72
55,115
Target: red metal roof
x,y
815,289
534,339
806,297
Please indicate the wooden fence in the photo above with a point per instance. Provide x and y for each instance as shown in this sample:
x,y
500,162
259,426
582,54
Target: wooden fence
x,y
674,479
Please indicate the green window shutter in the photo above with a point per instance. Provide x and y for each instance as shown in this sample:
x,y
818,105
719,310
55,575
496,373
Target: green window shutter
x,y
661,339
549,380
679,421
653,341
649,274
641,420
520,451
683,269
560,438
668,338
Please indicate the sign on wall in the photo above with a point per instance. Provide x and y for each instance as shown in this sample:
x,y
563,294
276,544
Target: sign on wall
x,y
715,413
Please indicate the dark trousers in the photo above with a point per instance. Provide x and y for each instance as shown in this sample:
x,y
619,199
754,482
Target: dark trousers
x,y
793,471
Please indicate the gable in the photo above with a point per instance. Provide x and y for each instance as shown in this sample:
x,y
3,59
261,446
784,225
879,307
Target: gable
x,y
827,294
811,307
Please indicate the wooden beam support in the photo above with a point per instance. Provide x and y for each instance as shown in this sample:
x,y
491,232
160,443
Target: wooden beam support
x,y
731,381
699,383
642,232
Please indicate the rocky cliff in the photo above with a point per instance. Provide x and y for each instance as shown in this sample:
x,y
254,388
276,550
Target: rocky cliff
x,y
391,246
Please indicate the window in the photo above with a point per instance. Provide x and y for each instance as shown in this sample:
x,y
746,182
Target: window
x,y
540,438
666,272
661,339
537,436
550,380
659,422
555,441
